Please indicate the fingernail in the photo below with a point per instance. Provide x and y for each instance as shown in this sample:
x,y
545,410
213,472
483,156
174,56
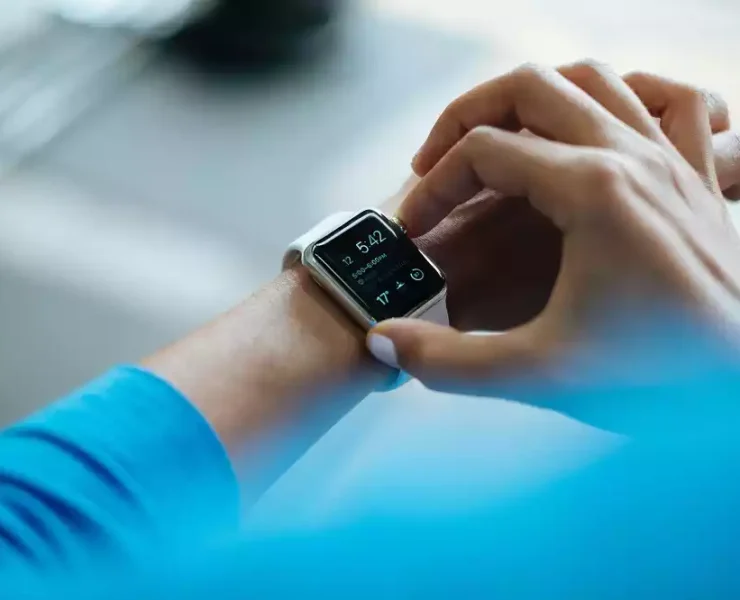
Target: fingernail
x,y
415,158
383,349
482,332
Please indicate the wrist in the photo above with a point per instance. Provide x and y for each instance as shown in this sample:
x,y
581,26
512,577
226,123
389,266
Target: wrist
x,y
284,351
332,345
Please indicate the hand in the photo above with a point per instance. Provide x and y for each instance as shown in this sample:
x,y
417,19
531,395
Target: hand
x,y
679,108
500,255
640,225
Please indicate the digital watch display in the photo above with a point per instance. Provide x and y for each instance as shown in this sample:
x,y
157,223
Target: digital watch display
x,y
370,264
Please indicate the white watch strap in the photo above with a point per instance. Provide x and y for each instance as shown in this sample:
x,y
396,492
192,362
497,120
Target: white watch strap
x,y
437,314
295,251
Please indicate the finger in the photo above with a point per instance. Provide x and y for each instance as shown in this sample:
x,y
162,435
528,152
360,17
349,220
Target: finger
x,y
656,92
535,98
391,204
444,358
727,161
685,117
609,89
507,162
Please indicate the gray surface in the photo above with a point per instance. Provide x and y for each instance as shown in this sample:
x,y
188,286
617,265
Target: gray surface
x,y
58,337
243,159
241,165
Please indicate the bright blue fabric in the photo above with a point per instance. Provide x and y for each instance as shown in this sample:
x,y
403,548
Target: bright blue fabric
x,y
121,490
118,466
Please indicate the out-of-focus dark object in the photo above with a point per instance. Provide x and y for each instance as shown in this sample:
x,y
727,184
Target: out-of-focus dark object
x,y
215,32
255,31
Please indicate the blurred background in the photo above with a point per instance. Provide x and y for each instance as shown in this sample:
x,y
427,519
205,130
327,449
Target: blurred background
x,y
156,156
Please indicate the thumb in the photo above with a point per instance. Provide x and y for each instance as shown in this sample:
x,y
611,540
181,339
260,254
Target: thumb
x,y
443,358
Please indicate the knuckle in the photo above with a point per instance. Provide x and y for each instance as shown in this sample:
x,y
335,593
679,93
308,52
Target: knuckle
x,y
588,70
605,176
644,84
454,111
478,137
606,171
476,146
634,75
692,96
531,73
637,78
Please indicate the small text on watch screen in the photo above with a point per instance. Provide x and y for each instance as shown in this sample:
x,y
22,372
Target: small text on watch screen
x,y
380,267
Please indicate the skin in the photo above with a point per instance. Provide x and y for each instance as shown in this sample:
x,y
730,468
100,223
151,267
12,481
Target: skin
x,y
288,360
623,168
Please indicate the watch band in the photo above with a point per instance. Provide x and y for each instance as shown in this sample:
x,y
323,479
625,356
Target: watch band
x,y
438,313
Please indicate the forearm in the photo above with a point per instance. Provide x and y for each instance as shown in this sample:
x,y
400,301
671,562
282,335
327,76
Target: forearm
x,y
126,459
127,454
273,374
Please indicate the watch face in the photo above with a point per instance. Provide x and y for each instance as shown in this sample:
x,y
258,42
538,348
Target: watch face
x,y
376,264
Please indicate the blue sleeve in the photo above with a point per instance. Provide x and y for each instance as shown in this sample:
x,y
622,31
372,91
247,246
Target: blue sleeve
x,y
113,469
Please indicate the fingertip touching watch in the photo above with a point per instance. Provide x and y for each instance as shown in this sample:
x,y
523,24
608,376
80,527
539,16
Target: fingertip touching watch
x,y
367,264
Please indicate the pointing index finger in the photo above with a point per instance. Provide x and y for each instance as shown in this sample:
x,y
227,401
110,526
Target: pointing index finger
x,y
509,163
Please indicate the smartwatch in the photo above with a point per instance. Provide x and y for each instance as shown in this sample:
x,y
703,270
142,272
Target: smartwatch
x,y
372,269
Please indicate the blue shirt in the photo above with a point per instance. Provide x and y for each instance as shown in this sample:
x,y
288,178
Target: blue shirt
x,y
122,490
120,465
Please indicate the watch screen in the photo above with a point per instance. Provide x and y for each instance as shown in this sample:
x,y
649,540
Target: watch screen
x,y
379,266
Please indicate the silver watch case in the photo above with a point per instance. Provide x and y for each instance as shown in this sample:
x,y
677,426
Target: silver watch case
x,y
328,282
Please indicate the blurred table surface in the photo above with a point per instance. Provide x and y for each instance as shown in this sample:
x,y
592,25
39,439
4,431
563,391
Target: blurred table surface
x,y
172,198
